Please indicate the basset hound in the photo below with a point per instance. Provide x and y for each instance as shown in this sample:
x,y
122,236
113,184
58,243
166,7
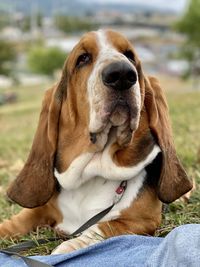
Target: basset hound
x,y
103,123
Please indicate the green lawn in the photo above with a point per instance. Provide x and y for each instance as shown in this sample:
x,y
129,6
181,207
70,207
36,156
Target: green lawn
x,y
17,126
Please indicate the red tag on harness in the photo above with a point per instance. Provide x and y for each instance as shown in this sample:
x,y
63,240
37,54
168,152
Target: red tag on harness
x,y
121,188
120,191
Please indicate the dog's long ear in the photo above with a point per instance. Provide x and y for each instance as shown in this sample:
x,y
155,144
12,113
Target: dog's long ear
x,y
173,181
35,184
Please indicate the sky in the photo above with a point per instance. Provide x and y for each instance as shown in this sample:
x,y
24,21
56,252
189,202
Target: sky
x,y
176,5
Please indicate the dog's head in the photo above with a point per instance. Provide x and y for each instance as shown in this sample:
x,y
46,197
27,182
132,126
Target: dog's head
x,y
102,86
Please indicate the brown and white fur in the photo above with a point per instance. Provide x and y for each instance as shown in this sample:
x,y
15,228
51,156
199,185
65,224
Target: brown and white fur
x,y
89,138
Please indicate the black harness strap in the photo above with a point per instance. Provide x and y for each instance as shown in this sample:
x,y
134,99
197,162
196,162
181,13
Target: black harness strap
x,y
29,262
12,250
30,244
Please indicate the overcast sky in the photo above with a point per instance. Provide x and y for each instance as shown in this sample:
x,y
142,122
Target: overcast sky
x,y
172,4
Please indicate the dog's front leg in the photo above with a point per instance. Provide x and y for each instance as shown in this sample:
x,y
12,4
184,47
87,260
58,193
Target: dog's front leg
x,y
28,220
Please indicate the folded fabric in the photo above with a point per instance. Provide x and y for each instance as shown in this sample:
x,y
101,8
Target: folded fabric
x,y
181,247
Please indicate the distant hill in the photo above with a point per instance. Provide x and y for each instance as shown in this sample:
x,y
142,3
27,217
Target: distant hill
x,y
73,7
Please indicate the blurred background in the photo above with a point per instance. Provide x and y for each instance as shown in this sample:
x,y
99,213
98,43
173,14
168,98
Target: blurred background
x,y
37,35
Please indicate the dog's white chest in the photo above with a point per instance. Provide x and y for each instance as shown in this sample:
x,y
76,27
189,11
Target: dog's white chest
x,y
89,185
79,205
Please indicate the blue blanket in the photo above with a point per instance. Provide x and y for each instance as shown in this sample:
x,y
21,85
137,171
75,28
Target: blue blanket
x,y
181,248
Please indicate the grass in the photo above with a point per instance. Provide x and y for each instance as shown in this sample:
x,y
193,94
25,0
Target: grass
x,y
17,126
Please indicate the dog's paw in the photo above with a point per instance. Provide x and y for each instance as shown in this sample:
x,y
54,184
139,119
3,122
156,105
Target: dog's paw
x,y
68,246
88,238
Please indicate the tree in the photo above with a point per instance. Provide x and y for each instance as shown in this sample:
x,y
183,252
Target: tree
x,y
45,60
7,56
4,19
25,23
71,24
189,26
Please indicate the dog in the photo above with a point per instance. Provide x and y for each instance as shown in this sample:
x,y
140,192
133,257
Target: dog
x,y
103,123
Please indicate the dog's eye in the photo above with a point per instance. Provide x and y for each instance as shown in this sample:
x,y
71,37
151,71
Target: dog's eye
x,y
129,54
83,59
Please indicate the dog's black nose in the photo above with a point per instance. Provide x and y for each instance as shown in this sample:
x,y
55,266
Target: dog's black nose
x,y
119,76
